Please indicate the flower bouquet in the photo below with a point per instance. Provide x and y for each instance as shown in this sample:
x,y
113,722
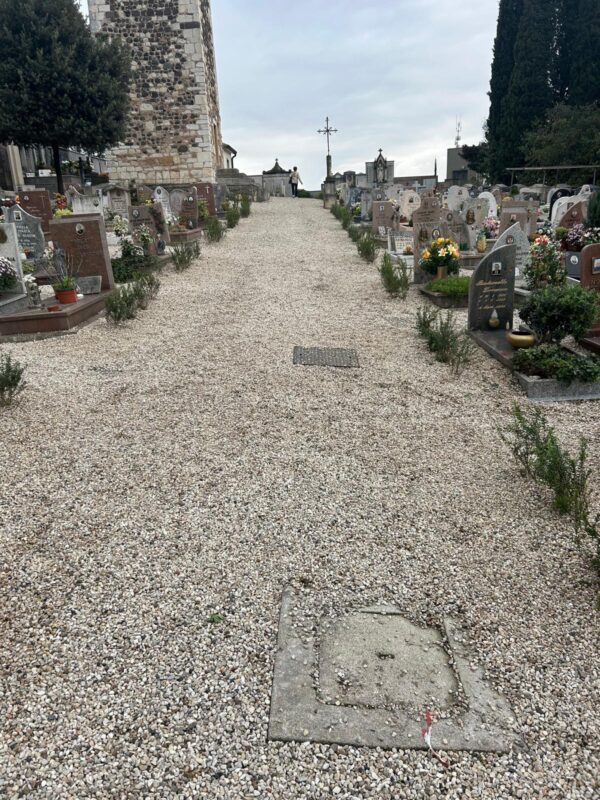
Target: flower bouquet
x,y
441,258
8,275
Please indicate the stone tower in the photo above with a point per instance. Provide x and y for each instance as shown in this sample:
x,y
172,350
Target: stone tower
x,y
174,133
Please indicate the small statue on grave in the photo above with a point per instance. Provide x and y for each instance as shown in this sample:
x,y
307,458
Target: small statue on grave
x,y
33,292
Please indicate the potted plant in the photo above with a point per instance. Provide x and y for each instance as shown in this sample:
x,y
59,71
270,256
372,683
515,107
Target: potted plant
x,y
442,258
63,273
544,267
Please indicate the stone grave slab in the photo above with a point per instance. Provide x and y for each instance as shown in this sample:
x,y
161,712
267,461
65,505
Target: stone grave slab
x,y
457,197
575,215
517,211
429,222
377,674
84,203
37,203
14,299
492,288
29,231
189,208
139,216
515,235
83,238
384,214
590,276
555,194
324,357
161,196
492,202
119,201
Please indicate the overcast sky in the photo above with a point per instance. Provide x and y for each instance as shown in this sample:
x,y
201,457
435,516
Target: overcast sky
x,y
393,74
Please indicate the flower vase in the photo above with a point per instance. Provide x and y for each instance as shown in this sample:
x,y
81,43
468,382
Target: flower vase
x,y
481,244
442,273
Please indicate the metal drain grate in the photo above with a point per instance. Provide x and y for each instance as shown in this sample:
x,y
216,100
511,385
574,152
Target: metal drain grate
x,y
325,357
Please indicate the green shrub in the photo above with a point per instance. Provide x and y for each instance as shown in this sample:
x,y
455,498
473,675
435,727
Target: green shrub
x,y
145,288
245,206
11,379
535,446
449,345
182,256
307,195
552,361
354,232
394,278
558,311
132,260
367,246
593,215
232,215
213,230
345,217
121,305
454,286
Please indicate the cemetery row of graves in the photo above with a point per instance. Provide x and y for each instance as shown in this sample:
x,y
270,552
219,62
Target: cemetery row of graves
x,y
65,260
528,278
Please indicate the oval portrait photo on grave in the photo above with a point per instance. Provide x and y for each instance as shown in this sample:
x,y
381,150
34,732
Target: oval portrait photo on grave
x,y
79,229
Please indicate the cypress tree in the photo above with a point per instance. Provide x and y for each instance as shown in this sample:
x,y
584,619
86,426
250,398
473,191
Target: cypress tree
x,y
529,93
582,52
59,86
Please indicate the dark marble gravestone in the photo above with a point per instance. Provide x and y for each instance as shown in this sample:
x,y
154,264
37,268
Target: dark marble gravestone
x,y
29,231
429,222
492,289
83,238
206,192
138,217
189,208
37,203
576,215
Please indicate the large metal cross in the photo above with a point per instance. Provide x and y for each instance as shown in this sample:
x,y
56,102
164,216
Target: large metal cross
x,y
327,130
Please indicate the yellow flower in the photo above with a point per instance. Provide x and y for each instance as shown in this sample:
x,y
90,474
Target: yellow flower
x,y
425,254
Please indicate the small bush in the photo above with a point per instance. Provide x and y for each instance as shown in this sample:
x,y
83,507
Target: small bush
x,y
449,345
558,311
394,279
245,206
345,217
121,305
232,215
145,288
367,246
551,361
354,232
535,446
182,256
213,230
132,261
11,379
454,286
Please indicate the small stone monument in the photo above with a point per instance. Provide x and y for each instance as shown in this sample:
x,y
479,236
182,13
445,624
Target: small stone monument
x,y
84,203
37,203
515,235
491,291
29,232
83,238
13,299
189,208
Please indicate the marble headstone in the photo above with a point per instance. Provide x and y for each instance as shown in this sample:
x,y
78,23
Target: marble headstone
x,y
492,289
493,205
84,203
189,208
37,203
83,238
29,231
575,215
590,275
515,236
161,195
10,249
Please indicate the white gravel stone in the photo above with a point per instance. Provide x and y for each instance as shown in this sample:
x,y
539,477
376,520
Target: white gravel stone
x,y
181,467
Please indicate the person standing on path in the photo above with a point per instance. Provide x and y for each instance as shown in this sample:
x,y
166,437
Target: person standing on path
x,y
295,179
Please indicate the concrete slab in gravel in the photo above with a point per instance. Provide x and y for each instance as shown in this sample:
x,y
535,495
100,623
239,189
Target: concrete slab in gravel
x,y
378,672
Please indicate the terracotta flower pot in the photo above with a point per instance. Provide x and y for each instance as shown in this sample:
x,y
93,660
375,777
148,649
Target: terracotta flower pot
x,y
66,296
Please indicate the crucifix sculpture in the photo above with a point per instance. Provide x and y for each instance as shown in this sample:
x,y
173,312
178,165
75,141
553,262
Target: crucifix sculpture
x,y
327,130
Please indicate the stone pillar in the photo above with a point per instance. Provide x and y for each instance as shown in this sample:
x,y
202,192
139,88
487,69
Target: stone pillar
x,y
174,132
16,169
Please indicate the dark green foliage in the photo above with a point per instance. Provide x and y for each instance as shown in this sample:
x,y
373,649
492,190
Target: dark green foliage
x,y
477,157
454,286
559,311
448,344
584,75
245,206
529,94
182,256
536,447
145,288
367,246
11,379
567,135
121,305
307,195
232,215
213,230
394,277
552,361
132,260
59,84
345,217
593,215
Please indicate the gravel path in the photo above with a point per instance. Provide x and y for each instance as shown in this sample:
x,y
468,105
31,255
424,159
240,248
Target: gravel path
x,y
181,468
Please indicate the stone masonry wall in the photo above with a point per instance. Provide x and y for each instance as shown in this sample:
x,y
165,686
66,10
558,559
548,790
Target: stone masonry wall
x,y
174,132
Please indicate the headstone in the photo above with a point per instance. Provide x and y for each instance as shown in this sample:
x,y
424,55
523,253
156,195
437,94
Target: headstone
x,y
515,236
161,195
189,208
492,289
221,193
575,215
457,195
384,215
410,201
517,211
139,216
560,208
84,203
37,203
29,232
119,201
493,205
555,194
206,192
590,275
83,238
459,230
428,223
144,193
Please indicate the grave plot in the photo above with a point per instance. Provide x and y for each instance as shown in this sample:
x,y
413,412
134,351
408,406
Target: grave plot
x,y
367,677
